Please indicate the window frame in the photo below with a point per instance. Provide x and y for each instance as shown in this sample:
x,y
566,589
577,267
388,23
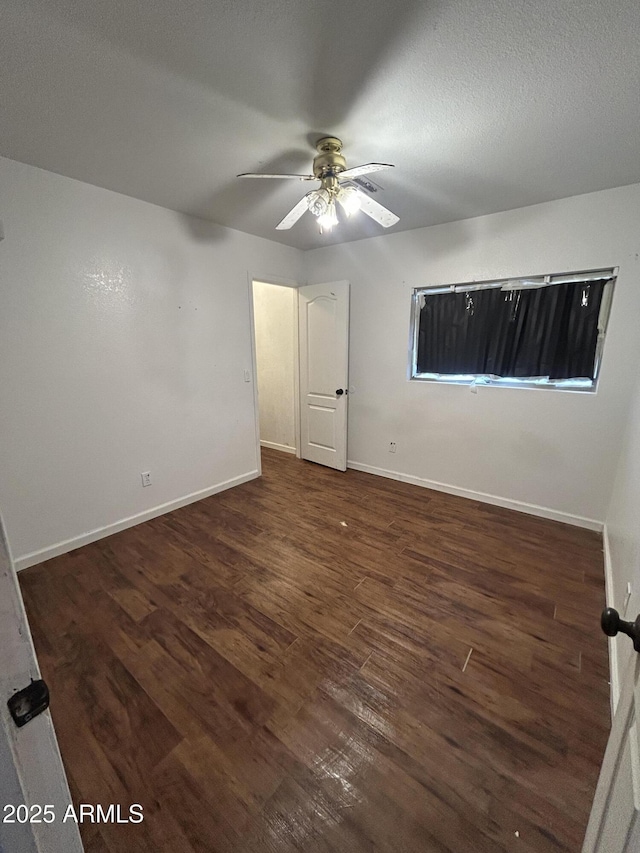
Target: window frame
x,y
525,282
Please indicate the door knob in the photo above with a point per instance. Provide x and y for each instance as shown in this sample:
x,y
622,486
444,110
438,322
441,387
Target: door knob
x,y
339,392
611,623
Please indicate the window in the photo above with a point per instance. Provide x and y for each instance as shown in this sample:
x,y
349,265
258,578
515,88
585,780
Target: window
x,y
543,331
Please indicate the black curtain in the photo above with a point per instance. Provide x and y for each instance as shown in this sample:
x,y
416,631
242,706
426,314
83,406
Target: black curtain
x,y
548,331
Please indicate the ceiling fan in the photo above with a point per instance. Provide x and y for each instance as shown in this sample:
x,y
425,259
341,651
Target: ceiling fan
x,y
330,168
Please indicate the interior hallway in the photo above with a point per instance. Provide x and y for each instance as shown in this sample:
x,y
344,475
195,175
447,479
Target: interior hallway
x,y
286,666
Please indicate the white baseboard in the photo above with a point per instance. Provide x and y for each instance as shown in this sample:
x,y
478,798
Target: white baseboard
x,y
283,447
483,497
614,673
36,557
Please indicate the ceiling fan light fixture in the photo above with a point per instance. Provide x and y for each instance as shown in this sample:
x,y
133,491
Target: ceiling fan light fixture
x,y
328,219
318,201
349,198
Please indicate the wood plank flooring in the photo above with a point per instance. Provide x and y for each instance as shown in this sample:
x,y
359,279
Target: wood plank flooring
x,y
317,661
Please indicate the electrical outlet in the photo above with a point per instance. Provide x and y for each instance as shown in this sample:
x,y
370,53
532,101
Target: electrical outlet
x,y
146,478
247,376
392,447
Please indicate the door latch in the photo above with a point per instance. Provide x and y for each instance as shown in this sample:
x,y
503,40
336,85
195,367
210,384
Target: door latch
x,y
29,702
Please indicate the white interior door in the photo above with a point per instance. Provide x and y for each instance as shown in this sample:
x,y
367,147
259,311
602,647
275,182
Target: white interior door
x,y
323,311
31,772
614,825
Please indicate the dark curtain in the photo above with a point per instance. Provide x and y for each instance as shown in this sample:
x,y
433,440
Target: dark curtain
x,y
548,331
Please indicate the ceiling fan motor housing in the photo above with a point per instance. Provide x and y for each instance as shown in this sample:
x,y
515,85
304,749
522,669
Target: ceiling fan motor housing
x,y
329,161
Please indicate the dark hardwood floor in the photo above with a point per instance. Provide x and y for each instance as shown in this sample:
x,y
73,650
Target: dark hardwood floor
x,y
317,661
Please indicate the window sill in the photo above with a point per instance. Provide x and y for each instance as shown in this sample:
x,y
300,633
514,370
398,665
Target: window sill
x,y
581,386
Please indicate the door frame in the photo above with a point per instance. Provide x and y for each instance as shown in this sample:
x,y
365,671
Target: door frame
x,y
278,281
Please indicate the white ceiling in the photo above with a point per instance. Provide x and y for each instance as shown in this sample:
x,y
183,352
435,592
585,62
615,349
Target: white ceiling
x,y
483,105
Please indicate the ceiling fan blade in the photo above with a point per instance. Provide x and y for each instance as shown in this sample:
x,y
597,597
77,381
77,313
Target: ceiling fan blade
x,y
293,177
365,170
294,214
376,211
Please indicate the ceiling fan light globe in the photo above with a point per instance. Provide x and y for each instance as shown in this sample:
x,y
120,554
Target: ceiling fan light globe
x,y
318,201
327,220
349,198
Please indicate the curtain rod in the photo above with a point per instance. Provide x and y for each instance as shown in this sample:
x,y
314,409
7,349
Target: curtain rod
x,y
521,283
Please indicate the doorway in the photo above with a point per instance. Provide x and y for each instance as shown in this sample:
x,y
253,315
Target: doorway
x,y
275,318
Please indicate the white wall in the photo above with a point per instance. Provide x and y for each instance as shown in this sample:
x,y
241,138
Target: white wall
x,y
125,331
275,316
554,450
124,334
623,538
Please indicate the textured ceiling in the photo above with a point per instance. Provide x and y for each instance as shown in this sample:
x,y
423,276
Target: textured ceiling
x,y
483,105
